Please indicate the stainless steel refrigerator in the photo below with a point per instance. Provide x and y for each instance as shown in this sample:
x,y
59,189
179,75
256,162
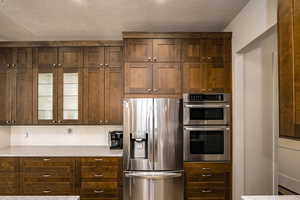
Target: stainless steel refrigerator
x,y
153,157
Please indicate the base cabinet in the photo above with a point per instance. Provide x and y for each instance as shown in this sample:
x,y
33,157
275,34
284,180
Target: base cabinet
x,y
205,181
91,178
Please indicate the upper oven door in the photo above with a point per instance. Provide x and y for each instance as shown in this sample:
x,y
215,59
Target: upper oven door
x,y
206,143
206,114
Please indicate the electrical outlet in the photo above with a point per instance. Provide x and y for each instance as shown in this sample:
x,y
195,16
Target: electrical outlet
x,y
27,135
70,131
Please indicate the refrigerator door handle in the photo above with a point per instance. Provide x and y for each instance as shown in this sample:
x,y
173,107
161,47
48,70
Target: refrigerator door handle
x,y
153,175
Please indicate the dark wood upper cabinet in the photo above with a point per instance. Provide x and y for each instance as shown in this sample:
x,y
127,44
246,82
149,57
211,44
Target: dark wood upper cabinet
x,y
194,78
70,57
113,57
138,50
138,78
22,84
94,57
166,50
94,95
289,68
113,96
46,57
167,78
192,50
5,96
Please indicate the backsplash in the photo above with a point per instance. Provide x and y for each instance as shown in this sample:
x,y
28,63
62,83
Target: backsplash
x,y
61,135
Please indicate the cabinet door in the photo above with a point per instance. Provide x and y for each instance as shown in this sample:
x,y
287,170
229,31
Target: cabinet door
x,y
193,78
138,50
113,57
45,57
113,97
69,95
93,95
5,95
138,78
215,52
70,57
193,50
93,57
166,50
286,68
22,98
166,78
215,78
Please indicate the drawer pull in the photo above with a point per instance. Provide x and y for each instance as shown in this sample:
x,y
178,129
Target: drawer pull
x,y
46,175
98,159
206,175
98,175
98,191
47,191
206,169
206,191
46,159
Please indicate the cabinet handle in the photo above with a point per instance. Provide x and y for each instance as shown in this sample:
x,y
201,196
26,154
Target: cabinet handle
x,y
59,121
206,191
149,59
13,121
106,121
46,159
8,65
53,122
155,90
47,191
7,122
98,191
206,175
106,65
154,59
46,175
149,90
98,175
101,65
59,65
210,90
98,159
53,65
206,168
100,122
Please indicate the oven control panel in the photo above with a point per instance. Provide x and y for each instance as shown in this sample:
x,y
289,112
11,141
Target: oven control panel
x,y
217,97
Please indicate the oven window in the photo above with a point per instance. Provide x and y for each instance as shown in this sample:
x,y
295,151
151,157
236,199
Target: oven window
x,y
206,113
207,142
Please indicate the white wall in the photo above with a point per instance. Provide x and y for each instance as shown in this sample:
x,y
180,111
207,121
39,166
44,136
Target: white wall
x,y
256,18
289,164
260,86
58,135
4,136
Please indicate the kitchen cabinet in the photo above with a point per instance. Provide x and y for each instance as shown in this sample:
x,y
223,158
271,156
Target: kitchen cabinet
x,y
153,66
207,181
103,83
16,84
289,67
58,80
9,176
207,65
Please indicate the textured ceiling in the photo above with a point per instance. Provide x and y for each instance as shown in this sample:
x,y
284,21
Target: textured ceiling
x,y
106,19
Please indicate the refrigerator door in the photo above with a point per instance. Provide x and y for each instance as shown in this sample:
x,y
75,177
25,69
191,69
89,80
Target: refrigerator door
x,y
168,136
138,134
153,186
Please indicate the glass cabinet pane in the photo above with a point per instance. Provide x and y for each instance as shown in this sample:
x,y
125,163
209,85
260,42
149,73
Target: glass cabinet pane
x,y
71,94
45,96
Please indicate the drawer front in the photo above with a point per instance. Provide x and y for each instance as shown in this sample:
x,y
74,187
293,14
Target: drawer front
x,y
204,198
48,172
100,172
100,161
8,164
100,189
204,189
47,188
205,177
47,162
197,168
8,183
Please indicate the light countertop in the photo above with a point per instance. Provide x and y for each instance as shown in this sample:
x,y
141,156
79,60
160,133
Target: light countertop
x,y
282,197
39,198
59,151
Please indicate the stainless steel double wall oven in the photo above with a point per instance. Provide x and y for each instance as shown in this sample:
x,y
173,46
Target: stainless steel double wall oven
x,y
207,133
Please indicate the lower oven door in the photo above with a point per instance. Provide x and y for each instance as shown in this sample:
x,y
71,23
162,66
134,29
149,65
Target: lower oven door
x,y
153,186
207,143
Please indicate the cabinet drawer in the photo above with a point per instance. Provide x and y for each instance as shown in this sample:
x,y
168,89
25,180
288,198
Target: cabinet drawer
x,y
205,189
101,189
103,172
46,162
100,161
8,164
56,172
205,177
204,198
46,188
8,183
197,168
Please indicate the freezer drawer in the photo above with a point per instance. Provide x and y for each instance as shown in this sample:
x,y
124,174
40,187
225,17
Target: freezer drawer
x,y
153,186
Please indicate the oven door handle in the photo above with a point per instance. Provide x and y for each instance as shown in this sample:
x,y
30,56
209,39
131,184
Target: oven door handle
x,y
206,128
207,106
